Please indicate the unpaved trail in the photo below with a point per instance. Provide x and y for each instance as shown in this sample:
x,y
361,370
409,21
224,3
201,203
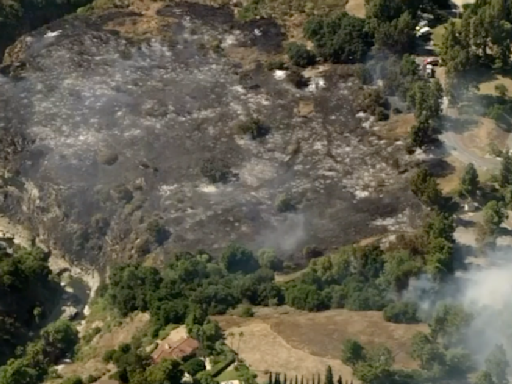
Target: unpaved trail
x,y
466,154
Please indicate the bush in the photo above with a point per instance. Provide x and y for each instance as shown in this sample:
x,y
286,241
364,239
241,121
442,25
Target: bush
x,y
194,366
108,356
245,311
403,312
75,379
284,203
254,128
300,55
273,65
217,171
340,38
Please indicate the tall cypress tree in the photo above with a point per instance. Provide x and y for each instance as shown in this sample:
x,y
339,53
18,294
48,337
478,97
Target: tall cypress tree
x,y
329,377
318,380
284,380
277,379
270,378
296,381
340,380
302,379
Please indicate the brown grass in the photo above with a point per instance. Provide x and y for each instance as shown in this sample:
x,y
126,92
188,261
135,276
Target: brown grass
x,y
397,127
295,342
450,183
90,361
356,8
488,87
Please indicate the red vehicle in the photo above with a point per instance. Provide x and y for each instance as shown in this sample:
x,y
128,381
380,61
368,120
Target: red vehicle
x,y
431,61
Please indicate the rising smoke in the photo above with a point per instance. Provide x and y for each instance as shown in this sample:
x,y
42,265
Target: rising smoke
x,y
486,292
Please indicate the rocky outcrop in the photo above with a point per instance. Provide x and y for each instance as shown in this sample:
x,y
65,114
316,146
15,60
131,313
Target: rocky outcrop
x,y
111,143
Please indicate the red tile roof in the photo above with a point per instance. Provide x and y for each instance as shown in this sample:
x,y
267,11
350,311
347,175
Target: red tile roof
x,y
176,350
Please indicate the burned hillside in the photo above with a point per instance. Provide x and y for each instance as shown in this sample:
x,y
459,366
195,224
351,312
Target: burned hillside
x,y
118,146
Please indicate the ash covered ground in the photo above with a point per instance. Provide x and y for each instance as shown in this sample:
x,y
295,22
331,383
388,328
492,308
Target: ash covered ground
x,y
105,138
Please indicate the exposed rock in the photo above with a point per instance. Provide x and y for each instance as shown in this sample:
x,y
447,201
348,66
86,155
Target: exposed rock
x,y
167,106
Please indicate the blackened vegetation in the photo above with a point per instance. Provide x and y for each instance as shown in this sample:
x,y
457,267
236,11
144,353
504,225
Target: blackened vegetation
x,y
167,109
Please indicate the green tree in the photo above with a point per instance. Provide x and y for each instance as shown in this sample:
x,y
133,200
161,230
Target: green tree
x,y
494,214
505,176
469,182
402,312
424,185
484,377
339,38
166,372
450,324
329,377
300,55
236,258
267,258
396,36
497,364
194,366
426,351
353,352
75,379
422,133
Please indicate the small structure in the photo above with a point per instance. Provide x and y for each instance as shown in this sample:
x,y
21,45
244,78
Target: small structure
x,y
470,206
230,382
175,349
106,381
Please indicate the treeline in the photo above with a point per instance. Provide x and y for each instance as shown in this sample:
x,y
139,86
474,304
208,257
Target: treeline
x,y
356,278
328,378
389,26
28,292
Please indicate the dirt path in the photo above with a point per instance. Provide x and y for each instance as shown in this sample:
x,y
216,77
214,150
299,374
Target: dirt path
x,y
466,154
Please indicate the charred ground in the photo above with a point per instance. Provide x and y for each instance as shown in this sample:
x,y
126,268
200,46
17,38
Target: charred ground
x,y
110,142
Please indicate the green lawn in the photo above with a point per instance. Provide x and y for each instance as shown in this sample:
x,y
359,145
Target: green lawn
x,y
227,375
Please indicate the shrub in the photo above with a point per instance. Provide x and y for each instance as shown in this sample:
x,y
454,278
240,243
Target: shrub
x,y
273,65
339,38
108,356
194,366
245,311
284,203
254,128
300,55
217,171
297,79
75,379
403,312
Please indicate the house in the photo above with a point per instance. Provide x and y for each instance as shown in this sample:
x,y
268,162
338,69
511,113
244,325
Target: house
x,y
169,349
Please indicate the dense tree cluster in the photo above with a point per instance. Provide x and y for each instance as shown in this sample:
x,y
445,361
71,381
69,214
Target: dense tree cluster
x,y
481,38
56,341
27,295
360,278
194,284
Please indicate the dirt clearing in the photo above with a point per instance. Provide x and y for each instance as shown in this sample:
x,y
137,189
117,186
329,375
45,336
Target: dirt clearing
x,y
356,8
488,88
295,342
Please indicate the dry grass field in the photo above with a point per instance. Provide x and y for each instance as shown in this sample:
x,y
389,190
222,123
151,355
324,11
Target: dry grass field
x,y
295,342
